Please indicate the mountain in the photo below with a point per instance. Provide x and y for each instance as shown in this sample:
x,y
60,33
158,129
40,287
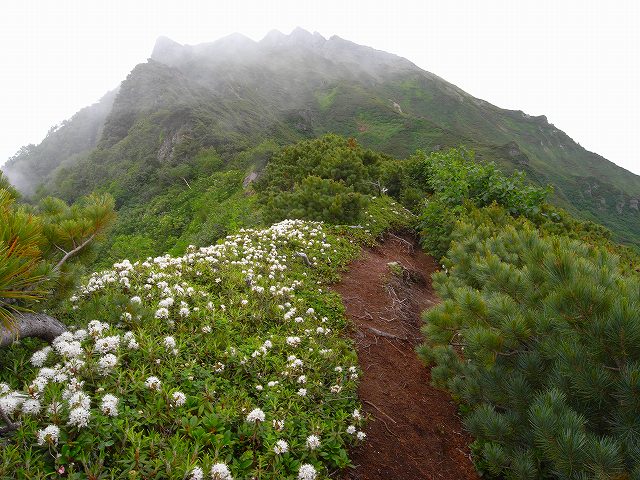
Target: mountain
x,y
235,95
64,145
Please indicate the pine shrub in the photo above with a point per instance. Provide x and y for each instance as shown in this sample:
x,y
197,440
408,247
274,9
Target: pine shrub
x,y
539,337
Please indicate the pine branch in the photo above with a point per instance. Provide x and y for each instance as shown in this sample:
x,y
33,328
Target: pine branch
x,y
71,253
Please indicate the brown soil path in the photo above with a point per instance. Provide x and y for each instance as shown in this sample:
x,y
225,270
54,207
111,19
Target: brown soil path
x,y
415,432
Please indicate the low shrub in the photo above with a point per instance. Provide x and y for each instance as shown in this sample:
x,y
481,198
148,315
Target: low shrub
x,y
231,356
538,337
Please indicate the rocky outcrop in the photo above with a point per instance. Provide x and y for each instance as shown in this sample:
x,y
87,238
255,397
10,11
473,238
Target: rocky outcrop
x,y
512,151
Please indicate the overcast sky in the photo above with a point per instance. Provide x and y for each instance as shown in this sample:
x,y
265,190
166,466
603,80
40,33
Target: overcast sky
x,y
577,62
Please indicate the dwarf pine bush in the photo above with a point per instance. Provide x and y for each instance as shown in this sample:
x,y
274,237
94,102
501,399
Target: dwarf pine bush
x,y
539,337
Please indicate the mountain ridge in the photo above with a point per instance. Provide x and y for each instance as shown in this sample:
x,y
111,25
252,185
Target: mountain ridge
x,y
234,93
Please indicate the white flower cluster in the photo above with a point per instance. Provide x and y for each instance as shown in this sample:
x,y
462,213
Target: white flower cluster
x,y
79,417
11,402
162,285
39,358
196,474
307,472
66,346
220,471
107,363
108,344
178,399
313,442
255,415
293,341
109,405
153,383
281,447
130,340
49,435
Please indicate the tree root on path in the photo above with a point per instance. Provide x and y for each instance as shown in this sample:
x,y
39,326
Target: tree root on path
x,y
407,244
380,333
378,409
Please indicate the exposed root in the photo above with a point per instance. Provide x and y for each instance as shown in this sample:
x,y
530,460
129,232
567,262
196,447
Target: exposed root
x,y
407,245
380,333
378,409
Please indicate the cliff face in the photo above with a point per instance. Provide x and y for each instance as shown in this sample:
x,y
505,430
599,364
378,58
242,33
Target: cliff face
x,y
235,93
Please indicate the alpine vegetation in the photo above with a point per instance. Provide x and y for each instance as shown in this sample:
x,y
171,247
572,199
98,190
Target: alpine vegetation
x,y
230,360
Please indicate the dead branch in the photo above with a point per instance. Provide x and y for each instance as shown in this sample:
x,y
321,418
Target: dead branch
x,y
366,316
399,351
38,325
408,245
305,259
378,409
10,426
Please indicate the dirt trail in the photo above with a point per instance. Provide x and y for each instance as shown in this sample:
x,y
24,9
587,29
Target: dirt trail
x,y
415,432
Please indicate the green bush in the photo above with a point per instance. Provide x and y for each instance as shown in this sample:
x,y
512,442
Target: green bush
x,y
317,199
330,179
436,221
329,157
454,176
539,337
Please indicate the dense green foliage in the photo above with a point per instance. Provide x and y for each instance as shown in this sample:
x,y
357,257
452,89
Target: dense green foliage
x,y
21,266
538,333
453,181
325,179
248,326
540,338
36,242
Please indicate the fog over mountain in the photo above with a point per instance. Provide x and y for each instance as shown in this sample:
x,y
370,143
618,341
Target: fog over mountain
x,y
234,93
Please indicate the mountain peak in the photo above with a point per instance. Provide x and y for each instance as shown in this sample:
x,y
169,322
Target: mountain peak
x,y
298,36
274,37
166,49
301,36
235,38
299,31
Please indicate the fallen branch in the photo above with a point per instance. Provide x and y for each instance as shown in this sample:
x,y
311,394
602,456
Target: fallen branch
x,y
399,351
403,241
305,259
38,325
380,333
366,316
10,426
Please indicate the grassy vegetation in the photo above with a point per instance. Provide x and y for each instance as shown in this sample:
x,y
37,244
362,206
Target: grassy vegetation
x,y
533,330
223,330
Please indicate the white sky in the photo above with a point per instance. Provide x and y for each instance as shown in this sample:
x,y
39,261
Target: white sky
x,y
578,62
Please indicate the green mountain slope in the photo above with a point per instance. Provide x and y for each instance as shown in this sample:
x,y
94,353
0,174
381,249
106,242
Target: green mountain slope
x,y
235,95
64,145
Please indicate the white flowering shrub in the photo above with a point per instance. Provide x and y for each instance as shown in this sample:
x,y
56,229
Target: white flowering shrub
x,y
227,362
